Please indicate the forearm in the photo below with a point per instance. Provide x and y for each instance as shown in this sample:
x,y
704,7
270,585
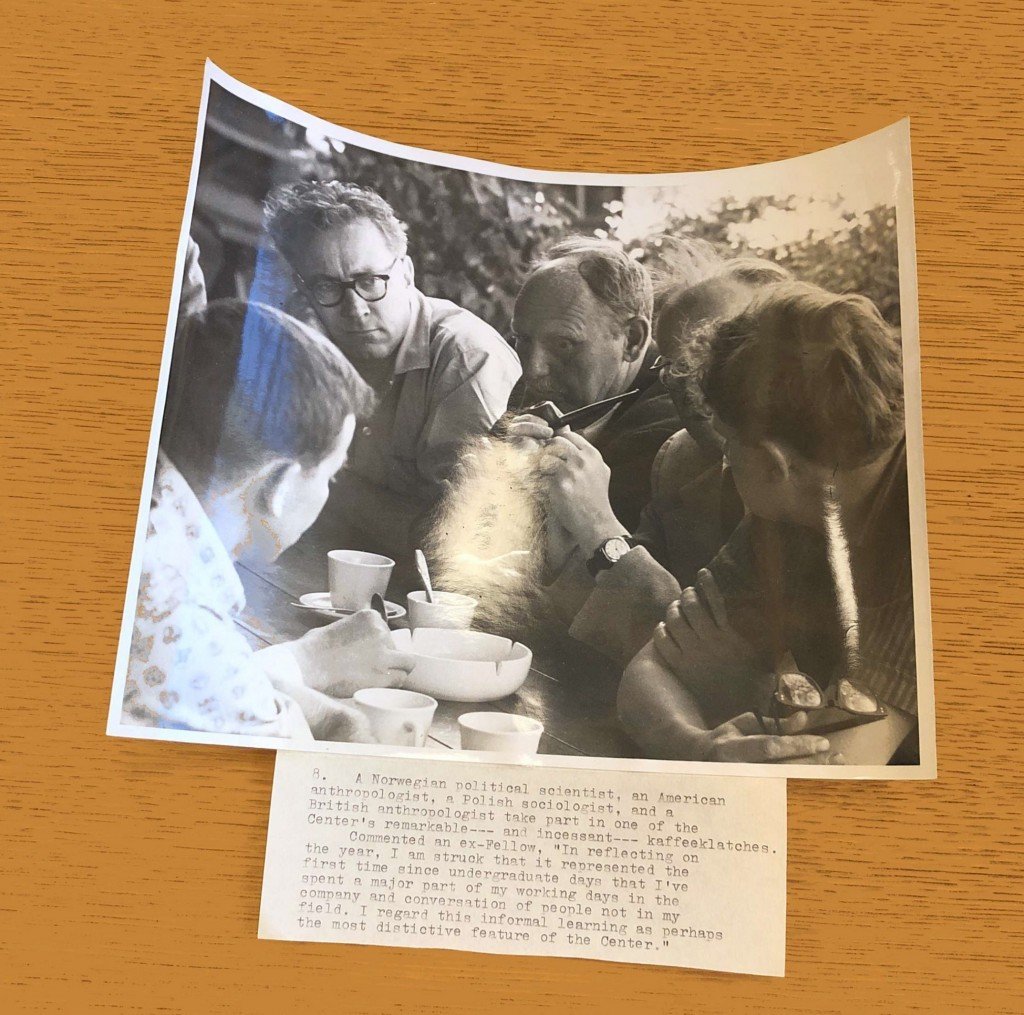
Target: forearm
x,y
568,590
658,712
625,606
591,524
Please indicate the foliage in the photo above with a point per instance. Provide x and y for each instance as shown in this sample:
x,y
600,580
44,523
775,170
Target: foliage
x,y
472,237
861,257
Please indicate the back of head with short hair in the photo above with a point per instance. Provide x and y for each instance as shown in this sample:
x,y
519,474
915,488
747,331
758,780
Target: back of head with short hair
x,y
250,384
685,261
294,210
818,372
753,271
681,302
621,283
686,312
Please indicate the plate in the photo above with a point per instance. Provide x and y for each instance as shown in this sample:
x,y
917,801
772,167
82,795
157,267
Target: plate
x,y
321,602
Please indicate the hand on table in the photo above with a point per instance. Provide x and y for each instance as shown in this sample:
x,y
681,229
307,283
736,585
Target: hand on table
x,y
351,653
697,635
744,739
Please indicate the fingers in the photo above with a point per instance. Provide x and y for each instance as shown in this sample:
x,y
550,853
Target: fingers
x,y
530,426
744,739
560,447
697,616
349,725
578,442
569,450
669,650
687,619
556,452
747,724
707,589
767,749
794,723
366,626
549,464
527,417
750,724
362,620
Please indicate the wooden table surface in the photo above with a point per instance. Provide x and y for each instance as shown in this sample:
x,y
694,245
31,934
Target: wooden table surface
x,y
131,870
569,688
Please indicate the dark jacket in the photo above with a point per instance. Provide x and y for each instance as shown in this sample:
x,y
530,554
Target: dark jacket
x,y
629,438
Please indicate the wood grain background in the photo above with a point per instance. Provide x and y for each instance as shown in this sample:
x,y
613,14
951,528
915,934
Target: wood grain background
x,y
131,870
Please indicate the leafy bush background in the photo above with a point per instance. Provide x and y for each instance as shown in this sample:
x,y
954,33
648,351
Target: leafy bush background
x,y
861,257
473,237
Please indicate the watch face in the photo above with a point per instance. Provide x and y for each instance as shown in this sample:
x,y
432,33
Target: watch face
x,y
615,548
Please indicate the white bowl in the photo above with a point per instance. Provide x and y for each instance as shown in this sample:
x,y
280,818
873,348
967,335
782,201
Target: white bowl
x,y
463,665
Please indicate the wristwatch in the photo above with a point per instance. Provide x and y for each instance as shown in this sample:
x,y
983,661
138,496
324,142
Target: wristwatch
x,y
610,552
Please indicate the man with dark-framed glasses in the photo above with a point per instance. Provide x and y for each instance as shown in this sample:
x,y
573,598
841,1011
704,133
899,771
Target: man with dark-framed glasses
x,y
441,375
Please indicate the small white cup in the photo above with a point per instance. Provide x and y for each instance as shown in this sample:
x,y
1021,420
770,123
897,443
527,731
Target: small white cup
x,y
397,718
354,576
449,609
499,731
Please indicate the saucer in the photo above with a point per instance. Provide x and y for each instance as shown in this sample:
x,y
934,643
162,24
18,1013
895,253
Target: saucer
x,y
321,602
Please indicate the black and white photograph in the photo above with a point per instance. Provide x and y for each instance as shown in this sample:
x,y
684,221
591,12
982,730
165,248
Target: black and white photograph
x,y
458,459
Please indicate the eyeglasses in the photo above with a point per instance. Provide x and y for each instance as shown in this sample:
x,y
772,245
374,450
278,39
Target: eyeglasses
x,y
842,705
329,292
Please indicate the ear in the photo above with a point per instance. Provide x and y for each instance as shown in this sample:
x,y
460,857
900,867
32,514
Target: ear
x,y
348,429
410,270
638,331
777,462
275,484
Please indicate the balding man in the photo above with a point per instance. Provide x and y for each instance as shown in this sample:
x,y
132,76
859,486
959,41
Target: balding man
x,y
613,600
582,327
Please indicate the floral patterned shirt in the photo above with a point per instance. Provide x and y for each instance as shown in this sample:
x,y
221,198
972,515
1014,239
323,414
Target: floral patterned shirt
x,y
190,667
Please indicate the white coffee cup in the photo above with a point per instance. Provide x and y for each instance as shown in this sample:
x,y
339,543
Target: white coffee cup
x,y
499,731
449,609
354,576
398,718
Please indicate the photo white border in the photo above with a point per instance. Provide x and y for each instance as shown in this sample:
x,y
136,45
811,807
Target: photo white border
x,y
894,139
